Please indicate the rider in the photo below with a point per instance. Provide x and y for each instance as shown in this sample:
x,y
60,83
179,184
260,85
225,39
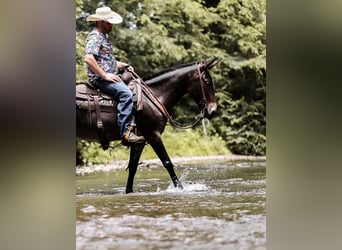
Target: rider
x,y
101,66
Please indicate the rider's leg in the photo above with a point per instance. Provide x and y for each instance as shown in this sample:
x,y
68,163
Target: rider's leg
x,y
123,96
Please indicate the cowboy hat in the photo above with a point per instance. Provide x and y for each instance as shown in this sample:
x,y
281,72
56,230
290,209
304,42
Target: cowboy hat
x,y
105,14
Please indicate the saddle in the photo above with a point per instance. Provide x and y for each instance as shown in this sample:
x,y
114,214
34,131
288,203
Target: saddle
x,y
91,99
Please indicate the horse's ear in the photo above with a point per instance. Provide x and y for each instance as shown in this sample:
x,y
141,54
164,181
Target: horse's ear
x,y
211,63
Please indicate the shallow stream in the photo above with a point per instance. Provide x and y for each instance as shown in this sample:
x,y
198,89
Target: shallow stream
x,y
222,206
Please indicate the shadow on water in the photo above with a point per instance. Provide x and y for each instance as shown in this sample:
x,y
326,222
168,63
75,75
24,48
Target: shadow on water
x,y
222,206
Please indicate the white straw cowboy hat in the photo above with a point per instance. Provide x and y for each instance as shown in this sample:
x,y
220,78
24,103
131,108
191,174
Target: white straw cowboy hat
x,y
105,14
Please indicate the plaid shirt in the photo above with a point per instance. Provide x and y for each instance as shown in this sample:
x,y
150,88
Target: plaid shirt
x,y
101,47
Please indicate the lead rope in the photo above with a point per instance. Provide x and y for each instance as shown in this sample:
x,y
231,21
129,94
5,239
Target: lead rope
x,y
162,108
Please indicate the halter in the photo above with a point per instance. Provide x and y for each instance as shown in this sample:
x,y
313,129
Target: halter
x,y
162,108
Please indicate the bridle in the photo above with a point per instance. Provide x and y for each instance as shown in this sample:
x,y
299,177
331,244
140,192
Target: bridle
x,y
162,108
204,101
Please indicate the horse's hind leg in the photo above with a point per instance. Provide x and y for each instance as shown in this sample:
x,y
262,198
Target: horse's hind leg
x,y
160,150
136,150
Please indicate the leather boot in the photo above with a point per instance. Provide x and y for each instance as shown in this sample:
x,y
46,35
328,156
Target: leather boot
x,y
131,138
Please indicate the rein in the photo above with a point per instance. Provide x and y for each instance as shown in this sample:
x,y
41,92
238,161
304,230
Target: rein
x,y
162,108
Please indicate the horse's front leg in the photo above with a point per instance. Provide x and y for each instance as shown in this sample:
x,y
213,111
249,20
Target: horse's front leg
x,y
160,150
135,153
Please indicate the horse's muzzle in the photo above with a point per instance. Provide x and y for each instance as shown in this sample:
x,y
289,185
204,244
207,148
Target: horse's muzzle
x,y
210,110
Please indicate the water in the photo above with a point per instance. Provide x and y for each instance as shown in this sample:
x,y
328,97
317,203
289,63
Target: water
x,y
222,206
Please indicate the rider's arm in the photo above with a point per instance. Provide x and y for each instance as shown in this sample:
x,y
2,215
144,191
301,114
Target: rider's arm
x,y
95,67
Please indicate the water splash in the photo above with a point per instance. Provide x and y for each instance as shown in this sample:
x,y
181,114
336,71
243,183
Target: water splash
x,y
189,187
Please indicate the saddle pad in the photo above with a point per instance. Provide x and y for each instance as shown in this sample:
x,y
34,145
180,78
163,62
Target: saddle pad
x,y
85,94
83,91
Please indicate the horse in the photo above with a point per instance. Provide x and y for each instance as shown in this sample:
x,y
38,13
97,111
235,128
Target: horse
x,y
162,92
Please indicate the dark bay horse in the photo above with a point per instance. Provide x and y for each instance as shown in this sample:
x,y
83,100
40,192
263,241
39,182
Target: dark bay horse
x,y
167,87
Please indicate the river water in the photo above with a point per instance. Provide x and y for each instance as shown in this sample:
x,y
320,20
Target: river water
x,y
222,206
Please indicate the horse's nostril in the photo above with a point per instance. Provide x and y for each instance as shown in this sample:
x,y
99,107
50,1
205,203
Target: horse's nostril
x,y
211,108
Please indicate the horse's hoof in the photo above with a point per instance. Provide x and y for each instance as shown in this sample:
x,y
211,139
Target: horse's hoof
x,y
178,184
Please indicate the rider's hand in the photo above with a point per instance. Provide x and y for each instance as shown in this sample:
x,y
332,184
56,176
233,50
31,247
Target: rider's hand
x,y
110,77
129,68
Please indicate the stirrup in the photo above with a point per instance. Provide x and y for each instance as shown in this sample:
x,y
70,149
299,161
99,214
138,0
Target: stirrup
x,y
128,132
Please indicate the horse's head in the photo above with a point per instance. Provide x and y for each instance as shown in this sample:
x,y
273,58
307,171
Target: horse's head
x,y
202,89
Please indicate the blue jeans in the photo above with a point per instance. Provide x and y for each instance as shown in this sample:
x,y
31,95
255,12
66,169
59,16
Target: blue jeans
x,y
123,96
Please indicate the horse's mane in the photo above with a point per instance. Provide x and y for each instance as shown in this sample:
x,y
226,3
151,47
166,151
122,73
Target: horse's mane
x,y
170,69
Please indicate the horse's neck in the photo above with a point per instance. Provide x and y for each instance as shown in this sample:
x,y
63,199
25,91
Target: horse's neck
x,y
169,90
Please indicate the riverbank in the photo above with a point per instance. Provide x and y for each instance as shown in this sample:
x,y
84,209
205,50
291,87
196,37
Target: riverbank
x,y
117,165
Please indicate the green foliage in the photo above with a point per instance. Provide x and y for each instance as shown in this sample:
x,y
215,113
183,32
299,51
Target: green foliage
x,y
80,66
158,34
245,133
241,27
193,142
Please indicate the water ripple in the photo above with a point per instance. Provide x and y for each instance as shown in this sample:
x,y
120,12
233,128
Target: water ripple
x,y
137,232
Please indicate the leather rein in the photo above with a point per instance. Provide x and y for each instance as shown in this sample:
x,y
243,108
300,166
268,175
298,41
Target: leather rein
x,y
162,108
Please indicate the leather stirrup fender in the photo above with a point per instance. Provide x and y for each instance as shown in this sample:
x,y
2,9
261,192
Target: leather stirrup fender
x,y
99,124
